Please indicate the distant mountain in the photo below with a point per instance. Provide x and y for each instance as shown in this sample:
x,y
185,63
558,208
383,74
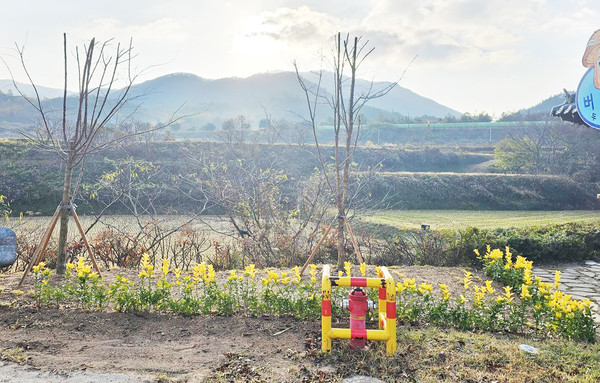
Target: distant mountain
x,y
538,111
276,93
546,105
212,101
399,99
7,86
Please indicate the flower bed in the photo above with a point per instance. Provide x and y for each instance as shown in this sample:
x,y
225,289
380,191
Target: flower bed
x,y
525,304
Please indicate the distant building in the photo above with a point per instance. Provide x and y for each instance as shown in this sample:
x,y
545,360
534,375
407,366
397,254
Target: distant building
x,y
567,111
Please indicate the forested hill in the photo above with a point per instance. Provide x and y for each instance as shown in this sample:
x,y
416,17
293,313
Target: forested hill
x,y
212,101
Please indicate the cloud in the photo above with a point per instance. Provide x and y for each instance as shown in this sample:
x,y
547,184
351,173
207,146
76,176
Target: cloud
x,y
164,29
456,32
294,26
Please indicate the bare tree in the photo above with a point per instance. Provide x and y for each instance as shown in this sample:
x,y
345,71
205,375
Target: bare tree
x,y
93,122
345,103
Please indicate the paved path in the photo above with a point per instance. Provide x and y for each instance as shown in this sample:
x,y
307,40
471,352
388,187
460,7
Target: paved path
x,y
580,280
14,373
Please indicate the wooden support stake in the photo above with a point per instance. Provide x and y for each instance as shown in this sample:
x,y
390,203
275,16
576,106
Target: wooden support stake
x,y
354,243
314,252
37,255
85,242
41,247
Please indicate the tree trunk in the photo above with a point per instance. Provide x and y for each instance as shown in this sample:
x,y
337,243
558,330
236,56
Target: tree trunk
x,y
64,214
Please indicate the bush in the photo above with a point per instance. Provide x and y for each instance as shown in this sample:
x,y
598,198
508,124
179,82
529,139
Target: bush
x,y
546,244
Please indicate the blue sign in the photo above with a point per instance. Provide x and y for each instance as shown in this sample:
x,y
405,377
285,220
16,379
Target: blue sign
x,y
588,100
8,247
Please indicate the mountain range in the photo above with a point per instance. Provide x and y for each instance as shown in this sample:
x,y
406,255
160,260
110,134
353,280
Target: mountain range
x,y
212,101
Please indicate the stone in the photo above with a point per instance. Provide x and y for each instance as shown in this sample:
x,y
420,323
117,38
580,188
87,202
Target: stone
x,y
328,369
528,349
361,379
592,263
579,285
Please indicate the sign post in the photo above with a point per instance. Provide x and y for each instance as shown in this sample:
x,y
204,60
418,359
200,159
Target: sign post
x,y
588,91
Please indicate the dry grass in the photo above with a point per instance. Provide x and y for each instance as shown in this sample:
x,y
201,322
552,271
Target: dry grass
x,y
490,219
443,355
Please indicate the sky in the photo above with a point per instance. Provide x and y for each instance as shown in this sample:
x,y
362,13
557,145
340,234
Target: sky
x,y
471,55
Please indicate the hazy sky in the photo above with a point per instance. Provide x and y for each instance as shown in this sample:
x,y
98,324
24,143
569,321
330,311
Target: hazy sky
x,y
473,55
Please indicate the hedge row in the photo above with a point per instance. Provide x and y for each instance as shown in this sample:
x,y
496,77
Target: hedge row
x,y
550,244
461,191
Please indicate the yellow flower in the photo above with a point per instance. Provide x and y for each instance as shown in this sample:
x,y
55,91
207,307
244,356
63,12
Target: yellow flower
x,y
544,288
489,288
232,275
399,287
297,274
462,299
558,314
523,263
250,271
508,295
146,268
363,269
467,279
525,294
445,292
284,279
495,255
82,269
177,273
347,268
165,267
211,275
410,284
479,296
476,251
557,279
508,258
527,276
199,271
313,272
273,276
70,266
425,288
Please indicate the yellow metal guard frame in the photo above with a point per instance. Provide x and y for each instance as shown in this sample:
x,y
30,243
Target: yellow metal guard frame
x,y
387,309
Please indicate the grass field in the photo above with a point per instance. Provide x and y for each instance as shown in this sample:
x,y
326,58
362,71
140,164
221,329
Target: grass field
x,y
460,219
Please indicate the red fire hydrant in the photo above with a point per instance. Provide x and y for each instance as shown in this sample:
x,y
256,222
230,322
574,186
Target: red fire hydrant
x,y
358,307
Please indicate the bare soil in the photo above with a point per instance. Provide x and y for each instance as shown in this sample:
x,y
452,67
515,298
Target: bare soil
x,y
190,349
165,347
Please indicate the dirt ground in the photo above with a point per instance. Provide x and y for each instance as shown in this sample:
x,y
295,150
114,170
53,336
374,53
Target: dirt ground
x,y
133,347
158,346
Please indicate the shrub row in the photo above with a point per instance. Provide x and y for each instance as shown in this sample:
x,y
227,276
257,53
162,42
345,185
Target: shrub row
x,y
545,244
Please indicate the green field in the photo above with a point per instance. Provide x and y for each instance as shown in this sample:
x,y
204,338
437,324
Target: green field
x,y
490,219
